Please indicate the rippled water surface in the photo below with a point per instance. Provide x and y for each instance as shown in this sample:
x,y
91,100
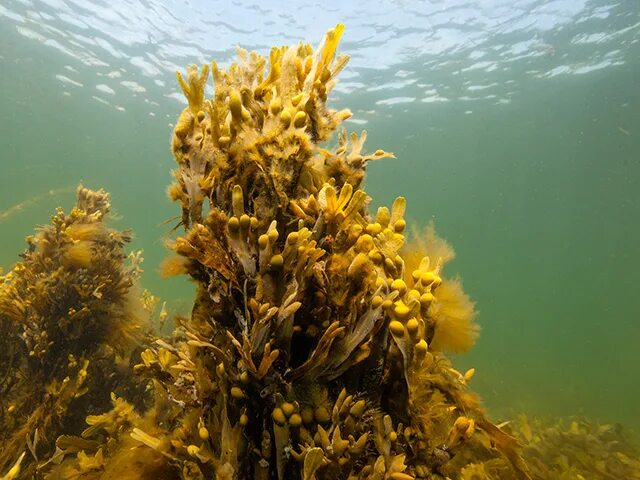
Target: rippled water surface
x,y
516,125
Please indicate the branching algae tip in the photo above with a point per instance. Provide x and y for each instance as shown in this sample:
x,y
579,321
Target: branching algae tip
x,y
316,344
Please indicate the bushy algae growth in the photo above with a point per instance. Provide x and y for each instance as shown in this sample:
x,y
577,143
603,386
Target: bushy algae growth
x,y
310,351
70,316
315,349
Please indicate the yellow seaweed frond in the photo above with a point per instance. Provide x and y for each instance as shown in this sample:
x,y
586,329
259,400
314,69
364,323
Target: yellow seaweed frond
x,y
146,439
193,86
14,471
327,51
87,462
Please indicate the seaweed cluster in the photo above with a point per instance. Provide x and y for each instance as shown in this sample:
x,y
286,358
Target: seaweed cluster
x,y
576,449
70,317
316,346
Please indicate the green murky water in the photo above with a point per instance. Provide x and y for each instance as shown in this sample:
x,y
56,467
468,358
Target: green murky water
x,y
516,126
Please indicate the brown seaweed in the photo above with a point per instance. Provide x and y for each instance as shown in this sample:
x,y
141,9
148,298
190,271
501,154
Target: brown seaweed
x,y
316,346
70,317
310,351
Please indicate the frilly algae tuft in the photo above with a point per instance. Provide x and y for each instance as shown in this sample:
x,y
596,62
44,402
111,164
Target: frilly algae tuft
x,y
315,349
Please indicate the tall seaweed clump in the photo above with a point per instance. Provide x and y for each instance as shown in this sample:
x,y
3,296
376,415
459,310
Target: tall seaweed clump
x,y
314,349
70,317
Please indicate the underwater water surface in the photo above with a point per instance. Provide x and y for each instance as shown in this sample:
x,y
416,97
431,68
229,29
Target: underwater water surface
x,y
516,126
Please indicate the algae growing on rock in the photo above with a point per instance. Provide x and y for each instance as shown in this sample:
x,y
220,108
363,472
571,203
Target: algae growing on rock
x,y
316,345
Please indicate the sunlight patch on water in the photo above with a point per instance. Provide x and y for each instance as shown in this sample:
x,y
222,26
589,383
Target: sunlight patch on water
x,y
69,81
105,89
396,100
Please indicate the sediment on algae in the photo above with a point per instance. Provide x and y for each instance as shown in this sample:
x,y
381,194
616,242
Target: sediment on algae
x,y
70,317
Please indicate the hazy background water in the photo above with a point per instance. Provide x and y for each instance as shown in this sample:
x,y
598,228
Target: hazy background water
x,y
516,125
